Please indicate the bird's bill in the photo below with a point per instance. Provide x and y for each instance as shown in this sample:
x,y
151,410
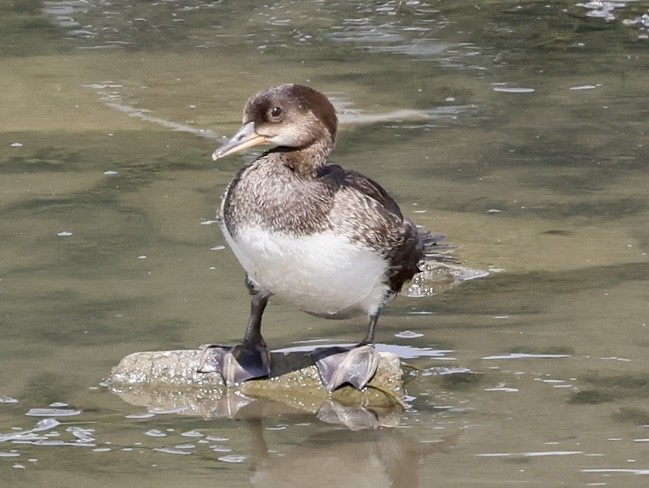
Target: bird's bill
x,y
244,138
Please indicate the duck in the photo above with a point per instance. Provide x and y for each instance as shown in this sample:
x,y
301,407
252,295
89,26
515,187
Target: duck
x,y
331,241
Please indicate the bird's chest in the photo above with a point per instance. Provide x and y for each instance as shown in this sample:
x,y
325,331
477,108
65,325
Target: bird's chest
x,y
274,198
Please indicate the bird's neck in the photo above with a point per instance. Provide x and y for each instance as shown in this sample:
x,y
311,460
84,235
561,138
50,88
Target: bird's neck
x,y
306,160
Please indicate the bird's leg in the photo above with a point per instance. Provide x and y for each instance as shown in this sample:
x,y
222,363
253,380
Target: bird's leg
x,y
248,359
258,304
369,338
356,365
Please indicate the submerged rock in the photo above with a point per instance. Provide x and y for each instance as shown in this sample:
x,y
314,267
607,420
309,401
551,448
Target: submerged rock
x,y
168,381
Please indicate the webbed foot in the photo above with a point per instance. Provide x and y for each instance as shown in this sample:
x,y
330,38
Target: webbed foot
x,y
236,364
339,365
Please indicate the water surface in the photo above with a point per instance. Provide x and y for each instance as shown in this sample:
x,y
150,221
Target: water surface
x,y
518,129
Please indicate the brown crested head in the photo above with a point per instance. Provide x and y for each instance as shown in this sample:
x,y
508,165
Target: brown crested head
x,y
296,114
291,116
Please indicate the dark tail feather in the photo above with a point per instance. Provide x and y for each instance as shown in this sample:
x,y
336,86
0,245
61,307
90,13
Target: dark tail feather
x,y
434,248
439,269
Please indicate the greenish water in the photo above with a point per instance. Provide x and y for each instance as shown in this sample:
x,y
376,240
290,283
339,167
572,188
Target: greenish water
x,y
518,129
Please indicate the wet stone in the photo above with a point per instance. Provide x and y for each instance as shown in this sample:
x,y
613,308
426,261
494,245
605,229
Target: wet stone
x,y
168,381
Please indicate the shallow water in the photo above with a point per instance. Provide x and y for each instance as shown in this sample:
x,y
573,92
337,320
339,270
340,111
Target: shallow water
x,y
518,129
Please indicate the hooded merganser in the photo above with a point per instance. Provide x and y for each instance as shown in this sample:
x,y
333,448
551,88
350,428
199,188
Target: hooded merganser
x,y
329,240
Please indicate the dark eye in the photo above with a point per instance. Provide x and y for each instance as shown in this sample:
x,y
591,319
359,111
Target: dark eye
x,y
275,112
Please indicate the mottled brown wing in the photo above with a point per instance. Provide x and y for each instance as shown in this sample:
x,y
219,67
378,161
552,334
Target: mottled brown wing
x,y
337,177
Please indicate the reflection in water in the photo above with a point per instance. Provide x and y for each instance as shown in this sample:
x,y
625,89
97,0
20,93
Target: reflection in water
x,y
378,458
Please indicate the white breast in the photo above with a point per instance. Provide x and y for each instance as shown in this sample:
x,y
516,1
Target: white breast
x,y
323,273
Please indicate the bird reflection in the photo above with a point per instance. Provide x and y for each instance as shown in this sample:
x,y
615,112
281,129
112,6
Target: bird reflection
x,y
369,458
